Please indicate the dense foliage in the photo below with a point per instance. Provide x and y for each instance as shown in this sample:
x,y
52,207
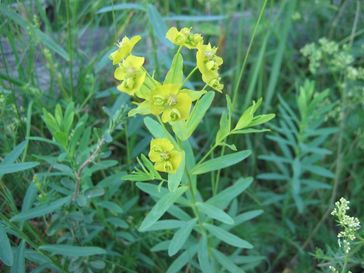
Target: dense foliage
x,y
182,136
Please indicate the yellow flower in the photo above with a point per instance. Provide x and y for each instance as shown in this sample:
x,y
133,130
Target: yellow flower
x,y
184,37
164,155
124,49
213,82
169,101
131,74
209,63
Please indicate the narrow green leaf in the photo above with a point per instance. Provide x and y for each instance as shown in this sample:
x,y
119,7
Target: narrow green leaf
x,y
110,206
249,131
223,199
19,261
227,237
157,130
152,190
117,222
258,120
193,18
29,197
41,210
272,176
180,237
279,55
246,216
175,73
224,129
203,256
162,246
16,167
6,254
226,262
197,114
158,25
15,153
215,213
166,224
73,251
122,6
182,260
68,117
319,171
220,162
160,208
245,118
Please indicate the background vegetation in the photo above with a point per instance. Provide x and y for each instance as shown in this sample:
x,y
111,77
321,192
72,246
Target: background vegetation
x,y
55,66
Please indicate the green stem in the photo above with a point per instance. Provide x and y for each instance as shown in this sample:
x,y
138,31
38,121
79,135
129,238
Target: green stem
x,y
216,184
128,159
236,88
345,263
195,210
69,45
207,154
189,75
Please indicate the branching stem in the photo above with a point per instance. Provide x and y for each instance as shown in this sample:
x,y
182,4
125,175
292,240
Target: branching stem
x,y
84,165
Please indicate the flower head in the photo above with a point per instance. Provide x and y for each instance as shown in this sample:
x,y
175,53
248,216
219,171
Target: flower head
x,y
169,101
124,49
131,74
184,37
164,155
209,63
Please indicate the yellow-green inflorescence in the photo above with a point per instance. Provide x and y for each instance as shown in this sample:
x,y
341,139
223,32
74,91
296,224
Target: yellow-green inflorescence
x,y
209,63
169,100
164,155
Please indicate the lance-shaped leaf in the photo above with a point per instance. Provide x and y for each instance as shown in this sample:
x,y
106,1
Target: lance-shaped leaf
x,y
220,162
41,210
6,254
226,262
223,199
73,251
180,237
227,237
160,208
203,256
215,213
175,73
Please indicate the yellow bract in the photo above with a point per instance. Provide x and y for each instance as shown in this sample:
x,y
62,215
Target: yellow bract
x,y
184,37
209,63
131,74
124,49
164,155
169,101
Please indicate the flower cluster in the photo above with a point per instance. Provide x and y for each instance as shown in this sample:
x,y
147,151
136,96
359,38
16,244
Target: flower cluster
x,y
124,49
164,155
209,63
332,55
169,101
130,68
349,225
184,37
